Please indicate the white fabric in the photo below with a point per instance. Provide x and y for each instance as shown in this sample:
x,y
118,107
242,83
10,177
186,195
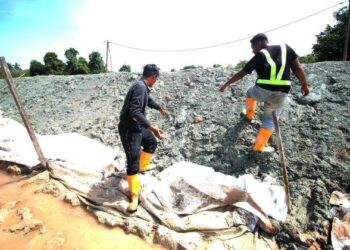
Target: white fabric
x,y
185,197
80,151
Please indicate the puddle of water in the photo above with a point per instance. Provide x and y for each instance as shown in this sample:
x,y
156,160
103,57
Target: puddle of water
x,y
79,228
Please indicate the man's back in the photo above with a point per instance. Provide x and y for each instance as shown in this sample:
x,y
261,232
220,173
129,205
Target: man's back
x,y
260,64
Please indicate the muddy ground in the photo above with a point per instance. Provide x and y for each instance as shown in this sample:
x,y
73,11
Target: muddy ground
x,y
207,127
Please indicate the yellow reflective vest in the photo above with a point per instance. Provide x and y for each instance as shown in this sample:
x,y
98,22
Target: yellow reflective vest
x,y
275,79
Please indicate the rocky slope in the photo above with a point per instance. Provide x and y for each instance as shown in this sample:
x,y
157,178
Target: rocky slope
x,y
207,127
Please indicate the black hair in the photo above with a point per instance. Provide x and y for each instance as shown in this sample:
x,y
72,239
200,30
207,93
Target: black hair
x,y
150,70
259,37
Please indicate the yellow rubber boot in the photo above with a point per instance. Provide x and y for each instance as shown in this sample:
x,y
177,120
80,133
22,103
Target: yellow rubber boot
x,y
135,192
261,140
250,108
145,159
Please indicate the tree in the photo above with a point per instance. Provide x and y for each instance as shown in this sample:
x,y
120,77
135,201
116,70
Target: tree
x,y
189,67
309,58
96,64
71,56
125,68
15,70
53,65
330,42
17,67
36,68
240,65
81,67
10,66
75,65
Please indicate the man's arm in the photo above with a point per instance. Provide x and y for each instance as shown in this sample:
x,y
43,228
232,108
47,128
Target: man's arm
x,y
300,74
153,104
235,78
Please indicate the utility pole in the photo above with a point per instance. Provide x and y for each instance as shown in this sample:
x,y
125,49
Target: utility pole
x,y
107,56
346,42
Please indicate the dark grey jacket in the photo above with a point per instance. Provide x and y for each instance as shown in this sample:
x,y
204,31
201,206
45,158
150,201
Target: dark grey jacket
x,y
133,113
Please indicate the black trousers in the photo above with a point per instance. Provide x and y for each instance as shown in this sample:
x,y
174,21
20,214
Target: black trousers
x,y
132,142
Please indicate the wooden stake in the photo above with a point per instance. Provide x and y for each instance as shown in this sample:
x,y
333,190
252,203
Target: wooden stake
x,y
282,159
346,42
8,77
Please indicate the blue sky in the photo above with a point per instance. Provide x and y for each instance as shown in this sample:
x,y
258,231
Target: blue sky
x,y
30,28
27,26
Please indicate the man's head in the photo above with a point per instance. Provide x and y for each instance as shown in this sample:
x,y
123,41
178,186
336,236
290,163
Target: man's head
x,y
150,74
258,42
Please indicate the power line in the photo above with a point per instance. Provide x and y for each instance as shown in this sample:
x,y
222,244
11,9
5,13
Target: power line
x,y
225,43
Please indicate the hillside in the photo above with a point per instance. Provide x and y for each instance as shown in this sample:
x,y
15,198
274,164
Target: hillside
x,y
207,127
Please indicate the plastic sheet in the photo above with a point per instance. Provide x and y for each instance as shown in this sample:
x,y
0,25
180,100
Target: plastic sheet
x,y
190,206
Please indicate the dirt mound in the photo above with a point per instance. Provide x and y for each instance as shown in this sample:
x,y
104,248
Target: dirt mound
x,y
206,127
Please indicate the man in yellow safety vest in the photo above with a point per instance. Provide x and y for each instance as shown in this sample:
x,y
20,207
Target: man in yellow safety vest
x,y
272,64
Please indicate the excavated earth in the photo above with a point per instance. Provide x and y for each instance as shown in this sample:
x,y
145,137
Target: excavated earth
x,y
207,127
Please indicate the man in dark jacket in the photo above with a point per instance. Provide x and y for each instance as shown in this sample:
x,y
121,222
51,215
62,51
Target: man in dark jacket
x,y
136,131
272,64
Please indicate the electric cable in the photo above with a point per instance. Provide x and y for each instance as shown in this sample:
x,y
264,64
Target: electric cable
x,y
224,43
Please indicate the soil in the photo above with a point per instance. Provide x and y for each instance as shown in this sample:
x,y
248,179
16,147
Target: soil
x,y
207,127
34,220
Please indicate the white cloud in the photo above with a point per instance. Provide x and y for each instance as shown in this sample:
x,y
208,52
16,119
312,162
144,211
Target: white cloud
x,y
183,24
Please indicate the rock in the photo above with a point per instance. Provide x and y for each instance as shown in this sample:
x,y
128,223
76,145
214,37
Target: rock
x,y
315,129
55,242
27,223
198,119
310,99
13,169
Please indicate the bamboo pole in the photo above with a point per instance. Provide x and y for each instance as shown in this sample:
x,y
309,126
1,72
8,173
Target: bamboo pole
x,y
8,77
282,159
347,31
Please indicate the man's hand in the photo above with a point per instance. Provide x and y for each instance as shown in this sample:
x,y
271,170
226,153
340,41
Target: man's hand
x,y
304,90
223,87
163,111
157,132
235,78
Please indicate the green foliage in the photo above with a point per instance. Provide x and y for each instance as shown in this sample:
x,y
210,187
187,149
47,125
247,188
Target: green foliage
x,y
240,65
9,66
309,58
53,65
15,70
96,64
36,68
330,42
75,66
189,67
71,56
125,68
81,67
17,67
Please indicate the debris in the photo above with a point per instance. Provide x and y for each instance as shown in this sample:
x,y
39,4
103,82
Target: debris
x,y
341,222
